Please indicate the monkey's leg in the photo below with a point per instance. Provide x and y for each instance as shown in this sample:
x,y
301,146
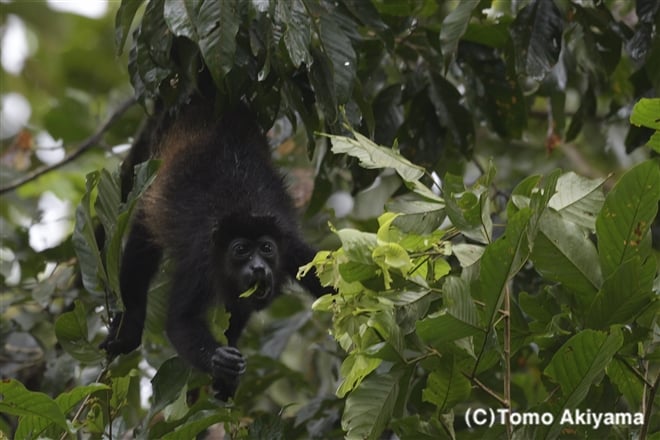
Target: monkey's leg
x,y
139,264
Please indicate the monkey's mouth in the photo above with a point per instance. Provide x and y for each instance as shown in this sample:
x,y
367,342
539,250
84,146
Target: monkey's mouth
x,y
259,291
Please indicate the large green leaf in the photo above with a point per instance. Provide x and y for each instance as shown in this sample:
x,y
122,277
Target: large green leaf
x,y
84,241
339,50
212,25
168,383
506,256
446,385
563,253
442,327
29,425
537,34
123,21
454,26
578,199
628,383
369,408
198,423
297,33
624,295
577,365
18,401
72,333
622,227
373,156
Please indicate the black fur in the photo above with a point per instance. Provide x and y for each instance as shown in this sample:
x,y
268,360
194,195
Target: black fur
x,y
216,183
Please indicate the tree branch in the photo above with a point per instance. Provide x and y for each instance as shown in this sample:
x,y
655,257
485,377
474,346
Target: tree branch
x,y
84,146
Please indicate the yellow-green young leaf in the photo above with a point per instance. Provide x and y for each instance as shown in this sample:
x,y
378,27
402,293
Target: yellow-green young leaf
x,y
440,268
391,255
354,369
249,292
646,113
385,231
218,319
358,245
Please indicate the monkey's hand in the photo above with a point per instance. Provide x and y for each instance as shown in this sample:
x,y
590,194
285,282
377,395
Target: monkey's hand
x,y
123,336
227,365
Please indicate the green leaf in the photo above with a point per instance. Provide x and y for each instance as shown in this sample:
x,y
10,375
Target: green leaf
x,y
628,383
506,256
578,199
369,408
198,422
624,295
646,113
623,225
212,25
470,214
372,156
339,50
358,245
123,21
321,78
31,424
454,26
446,385
181,17
537,35
297,34
84,241
18,401
501,261
442,327
354,369
72,333
564,253
168,383
577,365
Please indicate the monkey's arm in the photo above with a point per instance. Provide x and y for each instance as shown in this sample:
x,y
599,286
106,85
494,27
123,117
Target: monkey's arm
x,y
188,331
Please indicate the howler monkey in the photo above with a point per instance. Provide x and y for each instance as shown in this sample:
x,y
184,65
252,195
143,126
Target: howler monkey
x,y
220,210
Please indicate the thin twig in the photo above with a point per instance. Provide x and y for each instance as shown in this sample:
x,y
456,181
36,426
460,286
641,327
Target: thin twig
x,y
507,355
650,401
487,390
84,146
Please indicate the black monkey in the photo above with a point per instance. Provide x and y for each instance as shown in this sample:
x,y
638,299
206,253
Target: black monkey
x,y
219,208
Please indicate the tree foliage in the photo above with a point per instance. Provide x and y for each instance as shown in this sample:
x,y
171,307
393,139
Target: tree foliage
x,y
470,271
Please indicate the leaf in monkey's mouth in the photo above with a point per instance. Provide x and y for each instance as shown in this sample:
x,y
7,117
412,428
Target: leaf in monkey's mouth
x,y
256,291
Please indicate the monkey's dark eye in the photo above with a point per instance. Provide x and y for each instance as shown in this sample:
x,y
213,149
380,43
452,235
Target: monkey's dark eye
x,y
267,248
240,249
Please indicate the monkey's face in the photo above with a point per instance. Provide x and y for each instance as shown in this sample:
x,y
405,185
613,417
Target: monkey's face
x,y
253,266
